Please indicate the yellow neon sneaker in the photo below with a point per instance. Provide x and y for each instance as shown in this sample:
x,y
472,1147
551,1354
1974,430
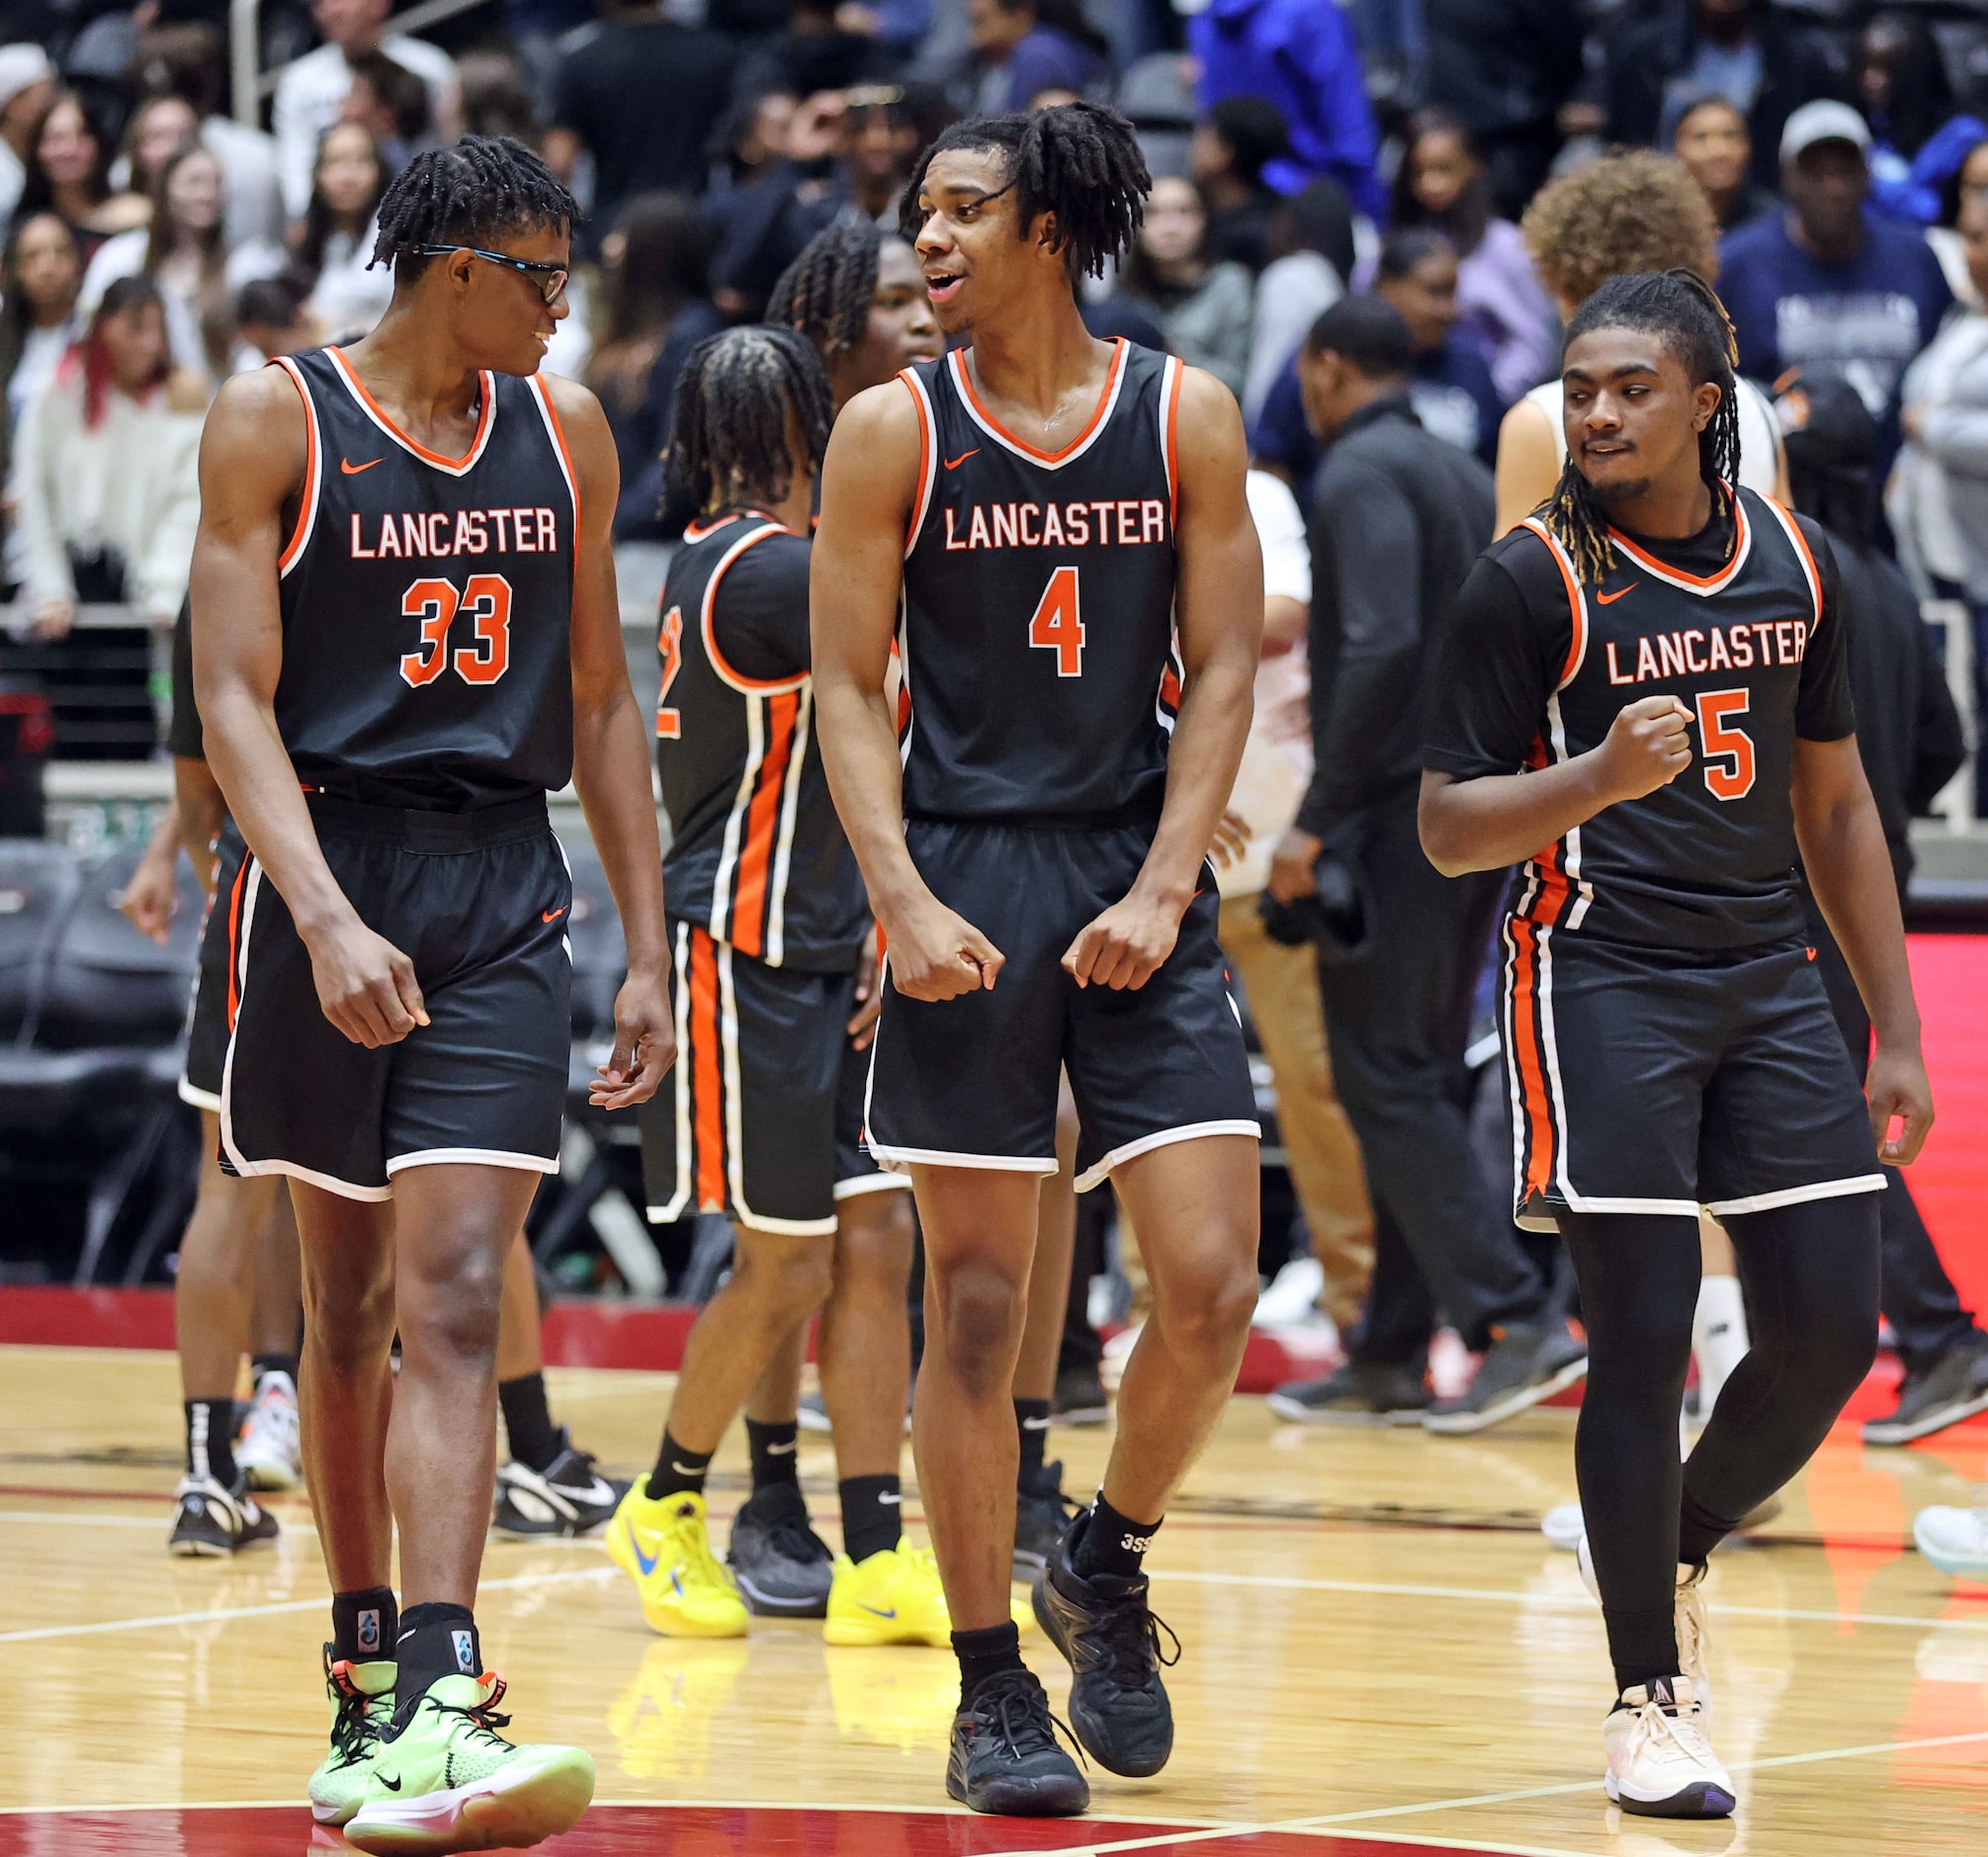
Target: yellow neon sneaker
x,y
447,1780
893,1597
362,1710
666,1549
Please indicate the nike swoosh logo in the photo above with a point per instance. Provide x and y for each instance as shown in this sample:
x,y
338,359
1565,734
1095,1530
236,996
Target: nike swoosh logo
x,y
782,1451
953,464
1608,599
879,1611
552,914
646,1562
683,1470
352,470
392,1786
890,1499
1035,1425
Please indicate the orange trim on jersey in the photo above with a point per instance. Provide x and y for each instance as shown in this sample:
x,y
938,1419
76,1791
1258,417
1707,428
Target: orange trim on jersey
x,y
1169,688
234,943
1707,582
487,385
1175,374
1577,607
707,626
964,381
762,827
1800,541
697,531
922,501
307,507
544,393
706,1088
1534,1097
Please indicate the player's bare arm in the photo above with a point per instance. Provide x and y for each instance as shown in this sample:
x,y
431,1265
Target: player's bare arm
x,y
868,484
611,764
1219,613
1497,820
1849,868
198,811
252,467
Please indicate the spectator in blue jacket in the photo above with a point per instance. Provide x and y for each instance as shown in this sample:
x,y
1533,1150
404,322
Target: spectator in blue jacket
x,y
1301,55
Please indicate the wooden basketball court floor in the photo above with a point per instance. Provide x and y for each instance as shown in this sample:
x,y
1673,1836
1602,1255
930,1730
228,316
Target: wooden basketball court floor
x,y
1383,1656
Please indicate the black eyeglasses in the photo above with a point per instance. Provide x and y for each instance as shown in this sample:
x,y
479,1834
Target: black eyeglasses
x,y
550,278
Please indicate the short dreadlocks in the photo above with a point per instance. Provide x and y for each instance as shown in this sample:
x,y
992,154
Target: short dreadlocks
x,y
1079,161
1685,312
728,439
826,292
480,188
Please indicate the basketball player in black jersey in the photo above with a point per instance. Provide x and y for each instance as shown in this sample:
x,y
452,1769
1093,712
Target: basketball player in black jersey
x,y
1055,529
1648,680
406,633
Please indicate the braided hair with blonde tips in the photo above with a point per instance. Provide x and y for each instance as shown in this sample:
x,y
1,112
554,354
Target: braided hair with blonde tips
x,y
728,441
1080,161
1686,313
826,292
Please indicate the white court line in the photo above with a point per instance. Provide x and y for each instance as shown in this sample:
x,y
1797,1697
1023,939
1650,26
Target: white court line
x,y
1571,1601
499,1544
227,1613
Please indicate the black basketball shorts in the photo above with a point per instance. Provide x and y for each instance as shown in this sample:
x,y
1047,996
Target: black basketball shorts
x,y
1648,1079
207,1010
972,1082
762,1120
477,902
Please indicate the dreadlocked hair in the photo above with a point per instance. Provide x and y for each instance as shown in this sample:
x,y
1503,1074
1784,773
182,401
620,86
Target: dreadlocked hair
x,y
1684,311
1079,161
727,440
480,188
826,292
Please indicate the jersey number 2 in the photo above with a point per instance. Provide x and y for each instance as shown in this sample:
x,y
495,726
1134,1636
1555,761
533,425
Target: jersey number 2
x,y
1057,626
487,598
1727,748
669,642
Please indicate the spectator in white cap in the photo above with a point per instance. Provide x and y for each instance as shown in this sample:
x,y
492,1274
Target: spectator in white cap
x,y
1826,287
27,82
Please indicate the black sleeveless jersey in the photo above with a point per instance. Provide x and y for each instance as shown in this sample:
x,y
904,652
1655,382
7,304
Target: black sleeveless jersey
x,y
1036,638
1745,625
757,855
427,602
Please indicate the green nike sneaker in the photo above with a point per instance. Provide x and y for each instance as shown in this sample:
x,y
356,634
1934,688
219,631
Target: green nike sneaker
x,y
362,1709
447,1781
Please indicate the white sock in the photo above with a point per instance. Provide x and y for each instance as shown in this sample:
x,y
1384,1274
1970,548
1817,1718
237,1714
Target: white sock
x,y
1718,1336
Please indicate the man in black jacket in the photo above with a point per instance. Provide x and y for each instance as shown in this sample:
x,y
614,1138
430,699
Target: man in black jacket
x,y
1398,517
1911,742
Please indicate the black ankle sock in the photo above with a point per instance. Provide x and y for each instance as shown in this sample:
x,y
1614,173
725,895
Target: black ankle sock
x,y
1642,1645
435,1640
872,1517
364,1624
536,1442
265,1364
677,1470
1032,1421
210,1439
985,1654
775,1449
1111,1542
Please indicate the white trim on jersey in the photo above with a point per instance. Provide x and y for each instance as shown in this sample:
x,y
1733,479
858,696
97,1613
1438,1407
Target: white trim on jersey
x,y
559,443
451,467
858,1184
1048,460
1804,558
1556,733
1701,587
907,697
735,822
929,459
473,1157
1168,412
1097,1174
313,475
679,1006
251,889
191,1093
783,845
1800,1196
902,1160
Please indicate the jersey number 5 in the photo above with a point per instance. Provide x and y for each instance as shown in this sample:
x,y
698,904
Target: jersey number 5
x,y
1057,626
487,598
669,642
1727,748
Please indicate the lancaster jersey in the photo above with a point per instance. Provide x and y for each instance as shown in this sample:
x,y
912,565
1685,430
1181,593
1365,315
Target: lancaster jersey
x,y
758,857
427,602
1041,676
1745,625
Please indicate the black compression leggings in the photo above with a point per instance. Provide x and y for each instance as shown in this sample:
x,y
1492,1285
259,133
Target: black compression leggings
x,y
1810,1273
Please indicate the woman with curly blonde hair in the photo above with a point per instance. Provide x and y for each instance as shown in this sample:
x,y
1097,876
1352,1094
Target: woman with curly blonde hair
x,y
1636,211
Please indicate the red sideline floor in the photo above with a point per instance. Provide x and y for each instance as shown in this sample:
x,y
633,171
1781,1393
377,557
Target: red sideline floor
x,y
1950,1181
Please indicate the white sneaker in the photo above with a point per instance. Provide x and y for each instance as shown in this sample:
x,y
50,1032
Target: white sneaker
x,y
1292,1298
1955,1540
1693,1627
1661,1763
270,1450
1562,1526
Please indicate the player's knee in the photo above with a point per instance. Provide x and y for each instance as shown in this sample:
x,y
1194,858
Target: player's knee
x,y
452,1307
788,1276
348,1317
1209,1305
981,1311
873,1251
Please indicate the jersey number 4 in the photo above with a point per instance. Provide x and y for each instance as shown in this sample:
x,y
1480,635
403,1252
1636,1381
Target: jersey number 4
x,y
487,600
1057,626
1727,748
